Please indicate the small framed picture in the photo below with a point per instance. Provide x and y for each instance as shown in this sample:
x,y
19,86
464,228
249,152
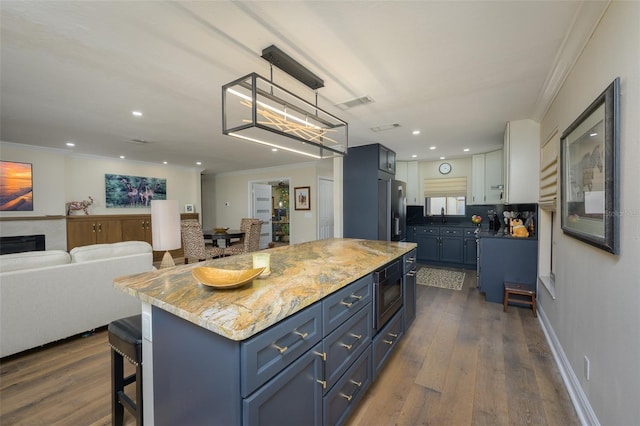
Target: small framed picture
x,y
188,208
302,195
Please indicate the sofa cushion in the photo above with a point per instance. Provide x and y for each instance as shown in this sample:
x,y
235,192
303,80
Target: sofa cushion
x,y
106,251
33,259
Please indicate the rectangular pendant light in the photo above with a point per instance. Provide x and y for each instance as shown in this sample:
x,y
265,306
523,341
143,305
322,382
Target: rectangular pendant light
x,y
257,110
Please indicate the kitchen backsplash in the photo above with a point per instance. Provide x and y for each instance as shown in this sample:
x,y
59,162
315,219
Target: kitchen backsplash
x,y
415,214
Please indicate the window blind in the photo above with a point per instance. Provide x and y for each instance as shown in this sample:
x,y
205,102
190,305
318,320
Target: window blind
x,y
448,187
549,174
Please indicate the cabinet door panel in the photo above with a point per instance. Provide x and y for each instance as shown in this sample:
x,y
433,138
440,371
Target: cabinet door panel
x,y
109,231
81,233
428,248
451,249
136,230
470,251
293,397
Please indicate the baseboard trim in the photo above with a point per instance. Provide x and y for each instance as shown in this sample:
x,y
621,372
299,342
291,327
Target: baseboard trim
x,y
580,401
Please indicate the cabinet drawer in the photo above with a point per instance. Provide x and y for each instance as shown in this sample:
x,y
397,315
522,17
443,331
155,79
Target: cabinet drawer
x,y
386,341
470,232
410,260
444,231
346,343
293,397
272,350
427,230
341,305
346,394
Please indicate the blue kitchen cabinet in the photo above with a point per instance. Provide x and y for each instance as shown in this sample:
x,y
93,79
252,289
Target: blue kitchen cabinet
x,y
505,258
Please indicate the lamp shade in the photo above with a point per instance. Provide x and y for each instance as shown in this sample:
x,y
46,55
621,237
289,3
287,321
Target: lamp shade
x,y
165,225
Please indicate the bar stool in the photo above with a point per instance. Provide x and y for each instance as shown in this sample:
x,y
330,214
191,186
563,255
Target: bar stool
x,y
125,339
519,293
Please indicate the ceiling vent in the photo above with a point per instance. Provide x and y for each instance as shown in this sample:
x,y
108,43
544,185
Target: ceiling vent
x,y
385,127
138,142
355,102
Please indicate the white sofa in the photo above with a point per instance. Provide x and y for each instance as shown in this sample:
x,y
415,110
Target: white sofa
x,y
50,295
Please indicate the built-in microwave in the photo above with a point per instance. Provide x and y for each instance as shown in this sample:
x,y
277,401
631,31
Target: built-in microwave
x,y
387,293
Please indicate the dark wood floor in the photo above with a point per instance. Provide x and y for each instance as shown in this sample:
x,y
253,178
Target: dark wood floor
x,y
463,362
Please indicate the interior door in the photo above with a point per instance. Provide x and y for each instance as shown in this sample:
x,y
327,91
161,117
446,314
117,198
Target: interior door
x,y
261,194
325,208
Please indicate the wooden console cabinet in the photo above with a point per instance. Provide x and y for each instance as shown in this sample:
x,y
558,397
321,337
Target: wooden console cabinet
x,y
103,229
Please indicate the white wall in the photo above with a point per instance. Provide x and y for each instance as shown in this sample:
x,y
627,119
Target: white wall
x,y
232,196
60,176
596,312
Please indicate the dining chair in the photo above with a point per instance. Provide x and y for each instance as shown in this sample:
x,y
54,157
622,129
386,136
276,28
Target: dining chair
x,y
193,242
251,240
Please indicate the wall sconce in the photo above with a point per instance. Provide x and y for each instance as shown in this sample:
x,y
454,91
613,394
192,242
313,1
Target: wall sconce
x,y
257,110
165,229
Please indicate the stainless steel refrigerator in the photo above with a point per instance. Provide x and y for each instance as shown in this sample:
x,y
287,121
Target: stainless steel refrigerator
x,y
392,210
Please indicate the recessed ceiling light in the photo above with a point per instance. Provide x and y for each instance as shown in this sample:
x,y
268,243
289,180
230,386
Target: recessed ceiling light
x,y
593,134
165,162
123,157
466,150
442,158
414,156
432,148
199,163
274,149
416,132
136,113
70,144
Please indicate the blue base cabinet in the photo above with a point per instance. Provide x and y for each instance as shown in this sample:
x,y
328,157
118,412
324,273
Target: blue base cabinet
x,y
506,259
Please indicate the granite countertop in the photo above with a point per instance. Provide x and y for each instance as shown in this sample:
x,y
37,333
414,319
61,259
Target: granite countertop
x,y
301,275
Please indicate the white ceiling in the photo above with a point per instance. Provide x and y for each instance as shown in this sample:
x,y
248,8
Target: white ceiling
x,y
457,71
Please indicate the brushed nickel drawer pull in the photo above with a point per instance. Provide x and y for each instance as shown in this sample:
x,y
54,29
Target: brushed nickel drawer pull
x,y
346,346
281,349
321,355
392,335
388,342
358,384
347,397
302,335
347,304
412,273
357,336
322,382
355,296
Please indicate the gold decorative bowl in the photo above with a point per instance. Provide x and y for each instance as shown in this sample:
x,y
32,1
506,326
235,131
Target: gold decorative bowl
x,y
220,230
224,278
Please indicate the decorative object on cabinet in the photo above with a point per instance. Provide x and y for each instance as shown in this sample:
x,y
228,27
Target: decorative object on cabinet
x,y
16,186
133,191
302,198
442,278
188,208
589,172
257,110
77,206
165,229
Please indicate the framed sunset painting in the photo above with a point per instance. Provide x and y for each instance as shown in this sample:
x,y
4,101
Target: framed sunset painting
x,y
16,186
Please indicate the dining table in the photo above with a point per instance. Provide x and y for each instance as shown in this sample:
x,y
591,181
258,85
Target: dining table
x,y
226,236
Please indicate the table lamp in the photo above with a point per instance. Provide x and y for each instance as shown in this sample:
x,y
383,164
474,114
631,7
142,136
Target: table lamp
x,y
165,229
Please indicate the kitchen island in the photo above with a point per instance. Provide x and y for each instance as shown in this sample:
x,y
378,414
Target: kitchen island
x,y
295,347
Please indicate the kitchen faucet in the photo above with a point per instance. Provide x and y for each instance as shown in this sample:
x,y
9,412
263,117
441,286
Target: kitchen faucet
x,y
444,220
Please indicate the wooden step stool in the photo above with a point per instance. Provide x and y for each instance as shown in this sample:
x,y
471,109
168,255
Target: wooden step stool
x,y
520,293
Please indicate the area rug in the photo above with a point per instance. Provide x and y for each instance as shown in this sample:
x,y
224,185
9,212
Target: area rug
x,y
442,278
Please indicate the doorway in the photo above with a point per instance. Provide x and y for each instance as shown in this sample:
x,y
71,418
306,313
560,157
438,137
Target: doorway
x,y
281,231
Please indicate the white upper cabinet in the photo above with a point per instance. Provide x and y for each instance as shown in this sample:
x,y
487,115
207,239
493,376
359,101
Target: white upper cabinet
x,y
487,181
521,162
